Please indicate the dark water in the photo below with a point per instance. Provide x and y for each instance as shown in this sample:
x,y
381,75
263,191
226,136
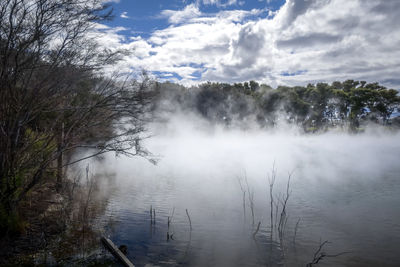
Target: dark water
x,y
344,189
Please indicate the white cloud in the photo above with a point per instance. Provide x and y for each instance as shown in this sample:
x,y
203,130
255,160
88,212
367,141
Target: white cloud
x,y
178,16
305,41
110,38
220,3
124,15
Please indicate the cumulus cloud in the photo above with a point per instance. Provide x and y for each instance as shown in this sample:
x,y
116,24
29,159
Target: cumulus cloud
x,y
178,16
296,8
313,40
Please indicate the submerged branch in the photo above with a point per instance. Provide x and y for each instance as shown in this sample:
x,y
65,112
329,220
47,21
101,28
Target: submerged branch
x,y
190,221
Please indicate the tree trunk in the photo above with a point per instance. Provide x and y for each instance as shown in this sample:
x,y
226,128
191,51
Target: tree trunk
x,y
60,145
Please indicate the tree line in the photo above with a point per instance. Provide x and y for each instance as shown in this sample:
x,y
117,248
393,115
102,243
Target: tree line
x,y
316,107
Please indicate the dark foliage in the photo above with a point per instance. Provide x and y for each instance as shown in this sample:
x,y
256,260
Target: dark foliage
x,y
314,107
54,99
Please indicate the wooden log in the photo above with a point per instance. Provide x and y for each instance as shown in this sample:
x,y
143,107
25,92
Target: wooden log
x,y
116,252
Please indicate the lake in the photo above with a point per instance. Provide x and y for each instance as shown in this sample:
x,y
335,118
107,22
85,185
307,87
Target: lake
x,y
344,189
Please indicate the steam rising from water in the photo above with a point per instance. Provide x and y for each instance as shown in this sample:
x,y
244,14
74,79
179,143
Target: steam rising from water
x,y
188,146
340,181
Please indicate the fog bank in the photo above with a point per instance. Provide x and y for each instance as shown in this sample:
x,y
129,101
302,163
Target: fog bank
x,y
343,185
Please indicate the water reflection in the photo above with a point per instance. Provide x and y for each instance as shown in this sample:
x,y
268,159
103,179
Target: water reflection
x,y
337,195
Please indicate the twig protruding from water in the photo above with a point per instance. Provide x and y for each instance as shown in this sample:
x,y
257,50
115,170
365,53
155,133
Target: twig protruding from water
x,y
295,230
271,180
190,221
151,214
169,223
258,228
318,255
250,196
283,217
244,198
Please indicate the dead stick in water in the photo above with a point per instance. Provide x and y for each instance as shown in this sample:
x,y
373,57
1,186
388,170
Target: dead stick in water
x,y
190,221
295,230
244,198
250,197
168,229
258,228
271,180
169,223
172,216
151,214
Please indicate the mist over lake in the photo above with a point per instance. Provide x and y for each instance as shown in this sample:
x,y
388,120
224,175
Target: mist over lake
x,y
344,189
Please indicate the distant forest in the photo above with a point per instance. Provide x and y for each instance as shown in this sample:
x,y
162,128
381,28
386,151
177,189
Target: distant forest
x,y
315,107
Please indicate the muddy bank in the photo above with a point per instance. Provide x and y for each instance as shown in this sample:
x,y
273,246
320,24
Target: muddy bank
x,y
60,228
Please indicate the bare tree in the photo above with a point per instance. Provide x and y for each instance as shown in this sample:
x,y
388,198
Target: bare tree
x,y
53,96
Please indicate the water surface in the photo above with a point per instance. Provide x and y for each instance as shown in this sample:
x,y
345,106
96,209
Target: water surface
x,y
344,189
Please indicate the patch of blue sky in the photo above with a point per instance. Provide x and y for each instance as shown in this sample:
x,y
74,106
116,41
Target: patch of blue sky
x,y
196,76
194,65
166,75
142,18
395,114
242,5
295,73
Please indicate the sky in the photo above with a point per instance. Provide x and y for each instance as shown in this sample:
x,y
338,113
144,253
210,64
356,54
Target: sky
x,y
277,42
